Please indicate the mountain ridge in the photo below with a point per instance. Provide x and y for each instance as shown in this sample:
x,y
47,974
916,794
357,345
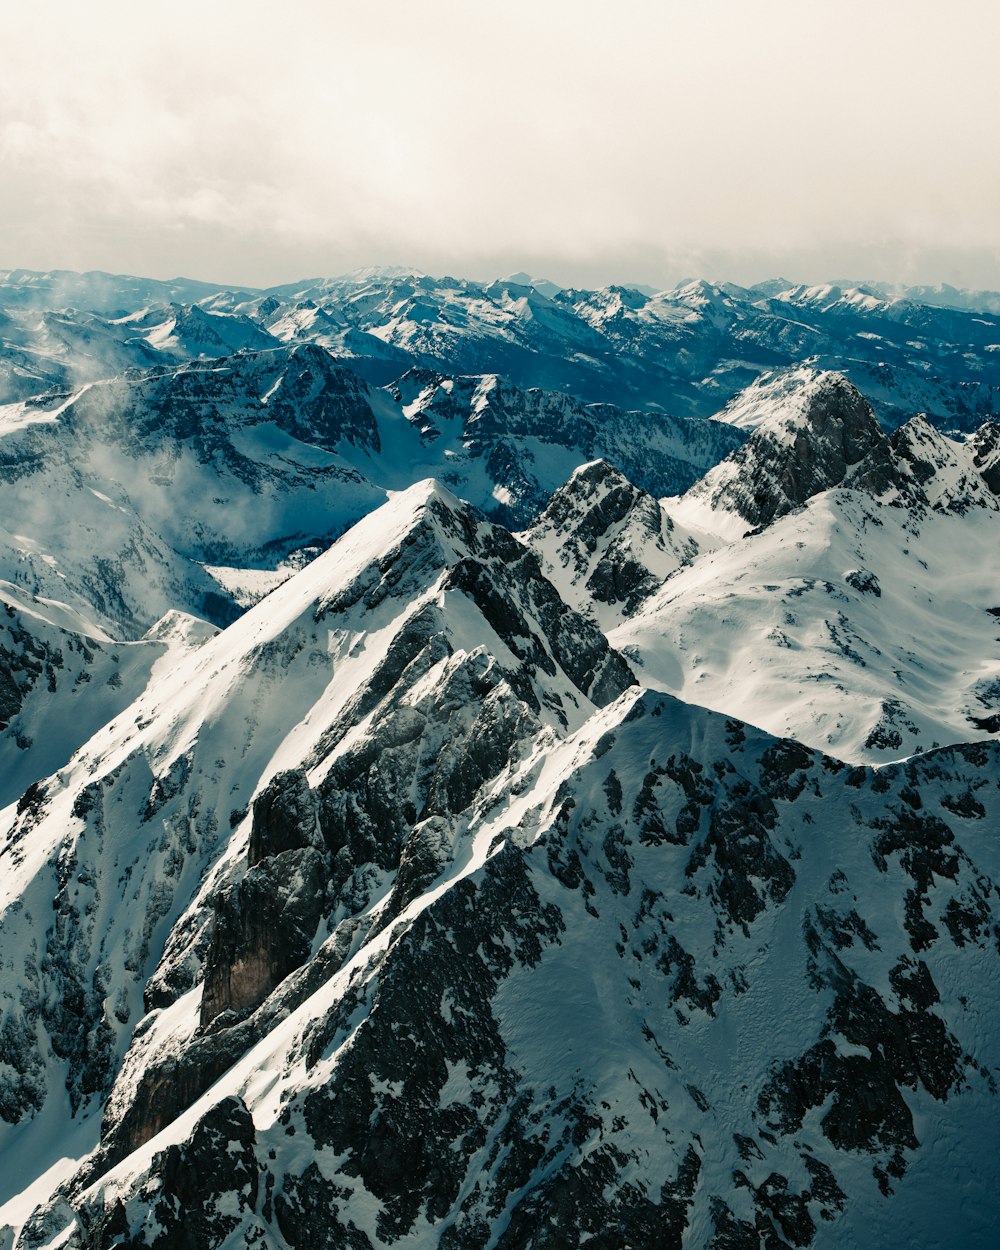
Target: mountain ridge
x,y
627,879
687,350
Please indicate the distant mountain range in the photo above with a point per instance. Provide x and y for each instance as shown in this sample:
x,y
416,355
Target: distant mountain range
x,y
686,351
456,794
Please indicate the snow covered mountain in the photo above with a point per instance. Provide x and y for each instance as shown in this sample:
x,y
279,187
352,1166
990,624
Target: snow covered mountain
x,y
432,653
176,488
563,1015
450,814
124,489
686,351
819,428
507,450
845,594
119,324
606,544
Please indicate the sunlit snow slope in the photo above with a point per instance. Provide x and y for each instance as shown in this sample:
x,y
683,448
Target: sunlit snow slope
x,y
849,601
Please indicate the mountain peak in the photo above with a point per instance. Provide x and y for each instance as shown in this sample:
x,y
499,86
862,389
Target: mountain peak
x,y
606,544
920,466
788,396
817,430
985,448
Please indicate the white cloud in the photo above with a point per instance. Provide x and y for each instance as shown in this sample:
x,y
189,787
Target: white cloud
x,y
247,142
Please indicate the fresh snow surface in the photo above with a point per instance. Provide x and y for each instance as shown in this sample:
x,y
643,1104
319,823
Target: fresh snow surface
x,y
606,545
849,625
209,730
779,399
612,1031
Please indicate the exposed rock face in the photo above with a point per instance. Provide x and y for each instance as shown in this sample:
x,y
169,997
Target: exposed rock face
x,y
606,544
404,916
263,925
195,1195
513,433
918,467
316,401
488,660
791,458
284,818
825,435
518,1063
24,660
985,444
263,929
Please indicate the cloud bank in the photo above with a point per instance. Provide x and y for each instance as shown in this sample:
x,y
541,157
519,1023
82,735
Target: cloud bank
x,y
247,143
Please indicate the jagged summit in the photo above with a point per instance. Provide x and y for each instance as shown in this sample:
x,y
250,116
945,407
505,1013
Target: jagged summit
x,y
775,395
985,447
818,430
391,685
812,431
923,467
606,544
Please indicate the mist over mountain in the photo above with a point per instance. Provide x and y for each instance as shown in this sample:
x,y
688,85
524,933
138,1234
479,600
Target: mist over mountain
x,y
494,766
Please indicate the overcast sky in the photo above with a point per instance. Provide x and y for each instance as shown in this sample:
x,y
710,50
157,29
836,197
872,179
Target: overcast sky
x,y
589,142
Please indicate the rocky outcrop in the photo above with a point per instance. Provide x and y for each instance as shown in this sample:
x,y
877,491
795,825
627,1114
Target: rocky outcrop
x,y
443,722
985,445
918,467
195,1194
263,925
262,930
794,456
606,544
526,1060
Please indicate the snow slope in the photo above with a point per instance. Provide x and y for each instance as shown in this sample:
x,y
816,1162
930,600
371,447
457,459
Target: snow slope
x,y
420,616
582,1029
606,544
687,351
129,492
857,615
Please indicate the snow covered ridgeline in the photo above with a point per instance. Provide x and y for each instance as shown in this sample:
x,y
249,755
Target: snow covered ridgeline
x,y
430,652
336,882
694,986
606,544
687,350
176,488
456,845
845,589
827,581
